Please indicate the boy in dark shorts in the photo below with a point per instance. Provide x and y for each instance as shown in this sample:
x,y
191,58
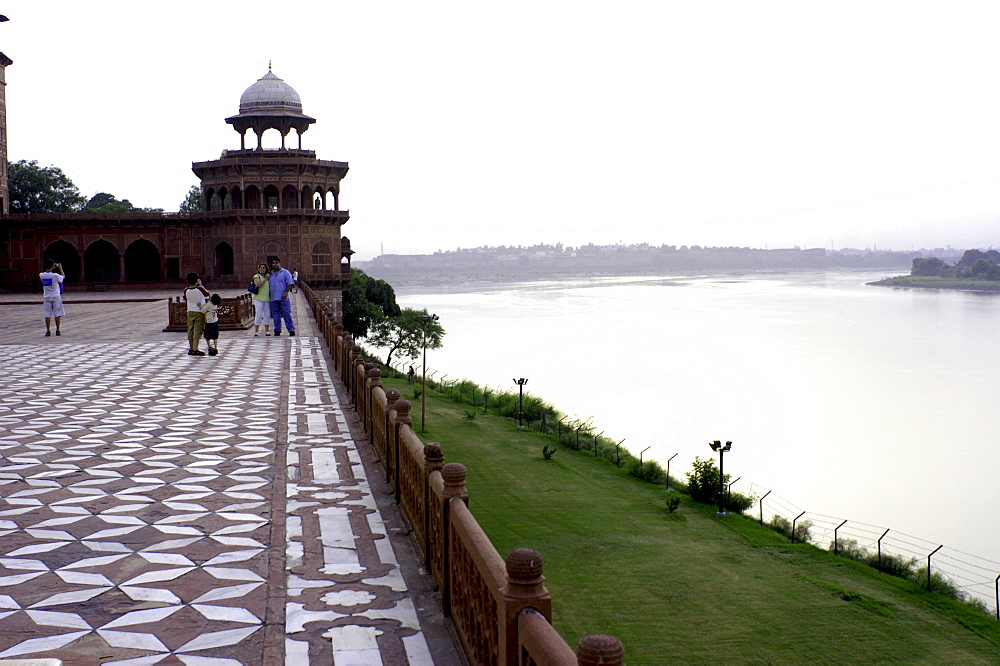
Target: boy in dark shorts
x,y
211,310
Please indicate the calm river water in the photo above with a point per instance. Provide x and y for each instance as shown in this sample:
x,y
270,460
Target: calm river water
x,y
865,403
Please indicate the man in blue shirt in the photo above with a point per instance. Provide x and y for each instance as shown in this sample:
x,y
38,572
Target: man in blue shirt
x,y
281,308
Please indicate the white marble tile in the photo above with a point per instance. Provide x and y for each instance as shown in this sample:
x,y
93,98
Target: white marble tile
x,y
226,613
54,619
142,617
417,652
81,578
229,592
217,639
45,644
132,640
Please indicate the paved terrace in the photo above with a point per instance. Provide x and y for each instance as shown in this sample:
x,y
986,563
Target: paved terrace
x,y
158,508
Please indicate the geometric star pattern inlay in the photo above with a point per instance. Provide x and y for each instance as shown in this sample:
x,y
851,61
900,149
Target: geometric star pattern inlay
x,y
138,522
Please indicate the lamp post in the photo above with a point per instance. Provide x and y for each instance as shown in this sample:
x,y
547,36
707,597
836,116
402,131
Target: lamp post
x,y
424,320
722,449
520,402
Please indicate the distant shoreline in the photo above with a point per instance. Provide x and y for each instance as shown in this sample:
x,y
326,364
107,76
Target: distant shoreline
x,y
920,282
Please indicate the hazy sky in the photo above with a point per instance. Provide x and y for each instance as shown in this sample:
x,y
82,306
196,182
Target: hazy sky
x,y
848,124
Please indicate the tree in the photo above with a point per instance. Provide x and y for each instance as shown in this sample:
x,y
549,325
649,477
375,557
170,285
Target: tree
x,y
194,202
37,190
367,301
404,334
928,267
102,202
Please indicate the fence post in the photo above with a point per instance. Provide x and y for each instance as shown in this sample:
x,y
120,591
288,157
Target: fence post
x,y
880,550
793,524
524,589
600,650
929,565
453,475
433,460
835,544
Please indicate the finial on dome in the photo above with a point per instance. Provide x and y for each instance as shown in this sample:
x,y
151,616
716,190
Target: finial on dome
x,y
269,64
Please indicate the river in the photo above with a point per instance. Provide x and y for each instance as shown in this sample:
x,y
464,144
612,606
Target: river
x,y
872,404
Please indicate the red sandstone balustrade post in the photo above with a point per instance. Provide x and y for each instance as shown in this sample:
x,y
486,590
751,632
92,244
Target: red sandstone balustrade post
x,y
356,360
402,419
337,348
382,448
374,381
600,650
524,589
433,460
366,394
345,360
453,475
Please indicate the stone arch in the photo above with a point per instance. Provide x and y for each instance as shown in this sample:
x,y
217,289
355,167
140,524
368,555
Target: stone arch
x,y
65,253
318,200
271,198
224,260
142,262
251,198
209,198
102,262
331,202
322,260
237,198
305,197
289,198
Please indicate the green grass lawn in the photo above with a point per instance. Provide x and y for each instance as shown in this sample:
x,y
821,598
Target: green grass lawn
x,y
689,586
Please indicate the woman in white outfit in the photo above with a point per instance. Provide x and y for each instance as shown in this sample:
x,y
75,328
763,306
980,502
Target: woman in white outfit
x,y
261,301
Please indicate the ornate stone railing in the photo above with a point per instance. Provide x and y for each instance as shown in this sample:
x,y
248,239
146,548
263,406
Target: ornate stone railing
x,y
235,314
500,608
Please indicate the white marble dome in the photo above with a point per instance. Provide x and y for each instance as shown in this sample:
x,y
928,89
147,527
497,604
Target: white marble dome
x,y
270,95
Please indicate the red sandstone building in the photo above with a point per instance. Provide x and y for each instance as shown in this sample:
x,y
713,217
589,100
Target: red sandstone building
x,y
258,204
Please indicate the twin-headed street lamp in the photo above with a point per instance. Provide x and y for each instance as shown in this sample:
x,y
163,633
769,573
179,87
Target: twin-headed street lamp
x,y
424,320
520,402
722,449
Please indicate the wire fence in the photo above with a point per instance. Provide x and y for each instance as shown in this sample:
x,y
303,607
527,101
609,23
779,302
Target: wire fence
x,y
972,576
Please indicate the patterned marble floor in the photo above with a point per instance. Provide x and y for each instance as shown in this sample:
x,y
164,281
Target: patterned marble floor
x,y
157,508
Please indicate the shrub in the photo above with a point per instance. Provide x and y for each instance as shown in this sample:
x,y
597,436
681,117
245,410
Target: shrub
x,y
650,472
739,502
802,531
469,416
703,480
780,524
673,502
548,451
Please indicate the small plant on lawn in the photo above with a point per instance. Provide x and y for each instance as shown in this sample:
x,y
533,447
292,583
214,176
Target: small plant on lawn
x,y
548,451
673,502
703,480
416,392
469,416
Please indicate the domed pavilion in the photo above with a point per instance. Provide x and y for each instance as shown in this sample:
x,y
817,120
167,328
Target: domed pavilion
x,y
259,203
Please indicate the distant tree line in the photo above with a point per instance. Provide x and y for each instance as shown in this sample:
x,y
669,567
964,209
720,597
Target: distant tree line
x,y
974,265
41,190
